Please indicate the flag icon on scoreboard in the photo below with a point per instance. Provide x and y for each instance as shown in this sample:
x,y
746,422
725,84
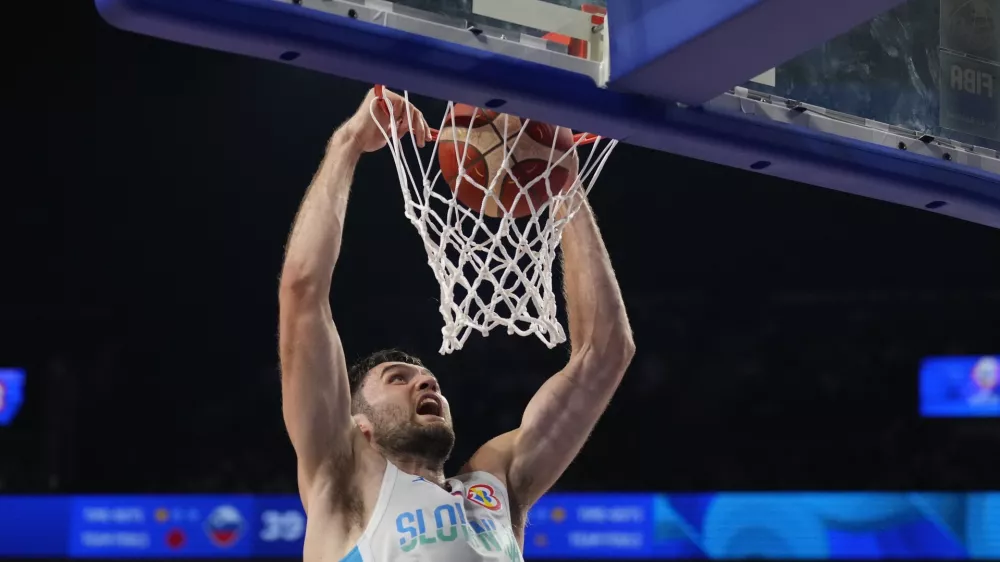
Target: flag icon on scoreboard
x,y
224,526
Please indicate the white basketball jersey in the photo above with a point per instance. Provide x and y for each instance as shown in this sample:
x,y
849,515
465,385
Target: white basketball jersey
x,y
418,521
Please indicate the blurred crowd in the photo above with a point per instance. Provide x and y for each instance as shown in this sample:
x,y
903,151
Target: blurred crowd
x,y
782,390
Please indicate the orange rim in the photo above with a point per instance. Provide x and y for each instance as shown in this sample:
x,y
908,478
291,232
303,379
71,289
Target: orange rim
x,y
580,138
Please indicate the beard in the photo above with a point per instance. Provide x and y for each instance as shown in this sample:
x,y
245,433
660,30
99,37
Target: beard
x,y
398,435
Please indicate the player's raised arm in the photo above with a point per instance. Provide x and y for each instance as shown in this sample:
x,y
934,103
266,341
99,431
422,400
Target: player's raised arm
x,y
315,390
561,415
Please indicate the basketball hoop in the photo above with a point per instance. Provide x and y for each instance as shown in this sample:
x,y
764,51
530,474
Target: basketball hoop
x,y
494,263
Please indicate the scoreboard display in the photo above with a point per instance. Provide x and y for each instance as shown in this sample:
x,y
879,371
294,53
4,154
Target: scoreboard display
x,y
562,526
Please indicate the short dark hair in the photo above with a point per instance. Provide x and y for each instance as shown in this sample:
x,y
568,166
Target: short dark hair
x,y
358,372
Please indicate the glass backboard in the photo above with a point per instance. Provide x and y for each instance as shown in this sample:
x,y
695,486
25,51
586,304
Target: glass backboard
x,y
931,66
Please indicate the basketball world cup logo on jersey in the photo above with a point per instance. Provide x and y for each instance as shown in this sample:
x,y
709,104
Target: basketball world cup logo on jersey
x,y
224,526
484,495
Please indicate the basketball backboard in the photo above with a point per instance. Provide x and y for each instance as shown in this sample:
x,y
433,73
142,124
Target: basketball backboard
x,y
880,98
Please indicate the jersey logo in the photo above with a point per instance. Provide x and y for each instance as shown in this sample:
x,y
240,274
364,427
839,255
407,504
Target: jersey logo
x,y
484,495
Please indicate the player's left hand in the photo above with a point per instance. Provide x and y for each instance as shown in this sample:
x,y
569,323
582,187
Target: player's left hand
x,y
368,132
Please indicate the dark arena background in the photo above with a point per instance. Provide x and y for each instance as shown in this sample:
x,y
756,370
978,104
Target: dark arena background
x,y
785,333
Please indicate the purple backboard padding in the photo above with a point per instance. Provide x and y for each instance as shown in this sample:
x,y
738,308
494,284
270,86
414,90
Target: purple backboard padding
x,y
370,53
691,51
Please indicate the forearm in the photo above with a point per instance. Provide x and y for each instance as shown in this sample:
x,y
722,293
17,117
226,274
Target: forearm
x,y
598,322
314,244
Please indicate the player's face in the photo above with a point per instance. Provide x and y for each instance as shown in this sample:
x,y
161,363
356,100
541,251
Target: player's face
x,y
407,411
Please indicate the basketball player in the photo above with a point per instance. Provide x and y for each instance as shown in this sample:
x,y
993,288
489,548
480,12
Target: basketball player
x,y
372,441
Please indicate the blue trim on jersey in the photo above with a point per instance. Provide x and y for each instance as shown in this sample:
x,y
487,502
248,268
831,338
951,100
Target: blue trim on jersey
x,y
353,556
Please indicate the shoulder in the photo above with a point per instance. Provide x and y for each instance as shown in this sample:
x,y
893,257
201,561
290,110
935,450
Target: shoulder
x,y
342,500
494,457
347,484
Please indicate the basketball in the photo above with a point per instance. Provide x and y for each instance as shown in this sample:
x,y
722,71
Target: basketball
x,y
479,160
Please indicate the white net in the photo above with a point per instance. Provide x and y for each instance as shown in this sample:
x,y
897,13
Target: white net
x,y
494,263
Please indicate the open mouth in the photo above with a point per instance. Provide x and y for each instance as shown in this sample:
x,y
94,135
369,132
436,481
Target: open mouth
x,y
429,406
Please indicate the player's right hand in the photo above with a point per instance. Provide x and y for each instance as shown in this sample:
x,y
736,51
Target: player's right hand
x,y
367,131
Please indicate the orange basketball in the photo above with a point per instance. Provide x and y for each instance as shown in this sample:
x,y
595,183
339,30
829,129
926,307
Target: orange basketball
x,y
483,157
